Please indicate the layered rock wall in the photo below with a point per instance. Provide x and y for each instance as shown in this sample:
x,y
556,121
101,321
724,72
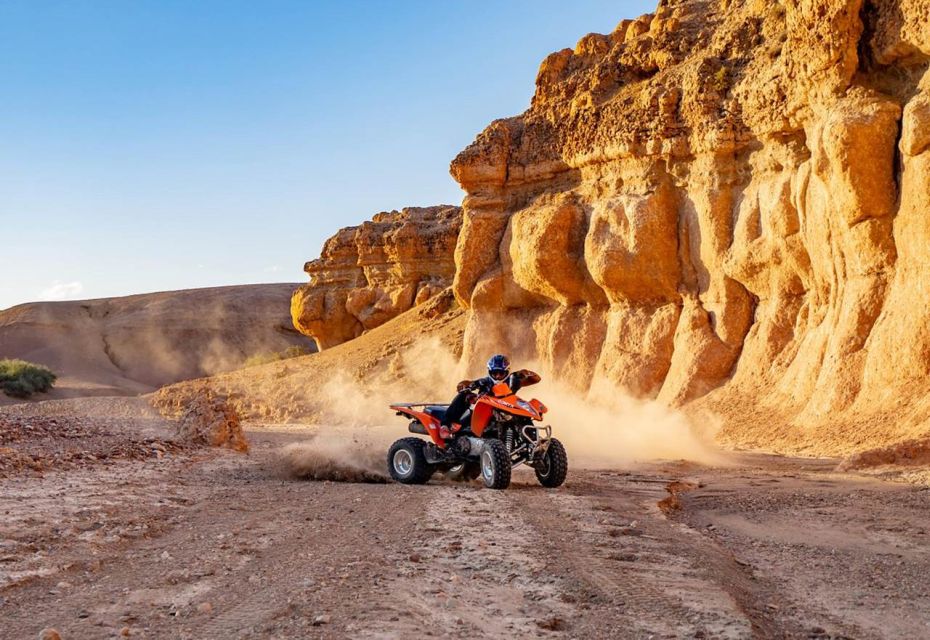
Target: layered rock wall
x,y
371,273
727,197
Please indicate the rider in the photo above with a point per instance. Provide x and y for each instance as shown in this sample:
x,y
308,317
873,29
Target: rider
x,y
498,381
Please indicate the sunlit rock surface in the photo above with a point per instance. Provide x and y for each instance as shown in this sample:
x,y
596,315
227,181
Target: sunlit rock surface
x,y
724,200
371,273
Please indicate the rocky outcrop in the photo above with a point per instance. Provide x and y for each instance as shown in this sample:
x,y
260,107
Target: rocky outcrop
x,y
371,273
727,199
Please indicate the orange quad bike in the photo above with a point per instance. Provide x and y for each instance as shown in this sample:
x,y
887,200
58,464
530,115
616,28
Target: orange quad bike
x,y
497,435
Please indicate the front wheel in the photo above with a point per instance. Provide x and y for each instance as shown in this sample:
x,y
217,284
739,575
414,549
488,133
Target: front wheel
x,y
407,463
495,465
553,466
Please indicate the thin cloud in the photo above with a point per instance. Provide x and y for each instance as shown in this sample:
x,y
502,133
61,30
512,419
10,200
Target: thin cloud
x,y
62,291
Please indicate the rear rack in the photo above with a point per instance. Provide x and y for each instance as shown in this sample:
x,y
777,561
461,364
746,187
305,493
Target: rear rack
x,y
409,405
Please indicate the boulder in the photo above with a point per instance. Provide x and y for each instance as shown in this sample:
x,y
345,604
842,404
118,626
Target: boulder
x,y
211,421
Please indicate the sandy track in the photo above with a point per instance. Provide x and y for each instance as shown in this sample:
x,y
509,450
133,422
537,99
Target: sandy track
x,y
216,546
830,555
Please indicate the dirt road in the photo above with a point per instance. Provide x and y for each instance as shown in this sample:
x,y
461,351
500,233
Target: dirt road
x,y
214,545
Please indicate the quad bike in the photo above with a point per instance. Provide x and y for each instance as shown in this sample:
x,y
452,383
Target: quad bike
x,y
499,434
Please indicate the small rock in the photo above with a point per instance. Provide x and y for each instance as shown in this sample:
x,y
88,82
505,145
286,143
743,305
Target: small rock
x,y
63,585
205,607
320,620
49,634
414,557
124,632
551,624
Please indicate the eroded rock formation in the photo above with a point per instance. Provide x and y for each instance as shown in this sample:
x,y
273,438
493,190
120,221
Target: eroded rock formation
x,y
371,273
728,197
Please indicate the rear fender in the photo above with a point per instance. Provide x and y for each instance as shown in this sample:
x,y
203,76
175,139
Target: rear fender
x,y
429,423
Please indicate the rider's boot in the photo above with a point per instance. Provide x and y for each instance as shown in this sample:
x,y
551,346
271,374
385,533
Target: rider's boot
x,y
446,431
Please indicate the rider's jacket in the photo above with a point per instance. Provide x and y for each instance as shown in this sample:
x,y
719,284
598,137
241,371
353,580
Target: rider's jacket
x,y
501,388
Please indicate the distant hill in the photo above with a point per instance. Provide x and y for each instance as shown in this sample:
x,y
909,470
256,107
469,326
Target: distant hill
x,y
134,344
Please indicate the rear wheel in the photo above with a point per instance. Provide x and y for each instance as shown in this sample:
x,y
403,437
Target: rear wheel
x,y
406,462
553,466
495,465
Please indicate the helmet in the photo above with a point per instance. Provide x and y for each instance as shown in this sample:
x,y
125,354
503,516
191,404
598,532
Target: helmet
x,y
498,367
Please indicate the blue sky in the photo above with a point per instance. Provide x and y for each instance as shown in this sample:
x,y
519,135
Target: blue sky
x,y
155,145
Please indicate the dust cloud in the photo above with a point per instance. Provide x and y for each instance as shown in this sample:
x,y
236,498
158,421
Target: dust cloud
x,y
327,457
601,428
352,445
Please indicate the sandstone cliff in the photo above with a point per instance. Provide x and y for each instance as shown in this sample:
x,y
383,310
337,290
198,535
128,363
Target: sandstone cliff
x,y
727,201
371,273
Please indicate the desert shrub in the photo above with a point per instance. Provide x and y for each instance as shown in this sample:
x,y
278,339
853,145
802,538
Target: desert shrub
x,y
260,358
264,358
296,351
720,79
21,379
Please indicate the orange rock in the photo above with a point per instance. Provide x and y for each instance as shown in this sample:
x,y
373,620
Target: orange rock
x,y
369,274
212,421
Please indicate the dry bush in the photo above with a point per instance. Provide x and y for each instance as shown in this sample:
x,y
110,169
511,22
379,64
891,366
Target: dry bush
x,y
20,379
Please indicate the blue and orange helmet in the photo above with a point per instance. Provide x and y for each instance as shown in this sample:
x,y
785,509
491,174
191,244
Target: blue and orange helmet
x,y
498,367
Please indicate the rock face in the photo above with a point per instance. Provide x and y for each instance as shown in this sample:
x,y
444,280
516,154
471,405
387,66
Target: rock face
x,y
727,199
369,274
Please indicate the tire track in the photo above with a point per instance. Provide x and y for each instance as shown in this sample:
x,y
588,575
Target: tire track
x,y
640,577
478,573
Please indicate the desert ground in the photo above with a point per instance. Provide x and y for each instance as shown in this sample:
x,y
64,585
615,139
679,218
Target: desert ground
x,y
119,530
